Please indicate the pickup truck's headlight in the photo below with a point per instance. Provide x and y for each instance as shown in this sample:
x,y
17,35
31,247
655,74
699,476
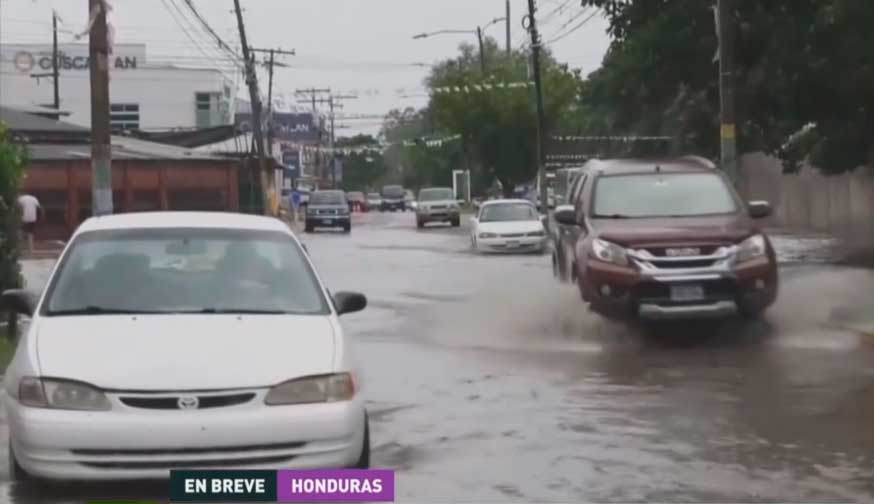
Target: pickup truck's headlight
x,y
751,248
313,389
486,236
609,252
61,394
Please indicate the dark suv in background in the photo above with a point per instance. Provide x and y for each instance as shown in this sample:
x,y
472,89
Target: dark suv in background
x,y
665,239
328,209
393,198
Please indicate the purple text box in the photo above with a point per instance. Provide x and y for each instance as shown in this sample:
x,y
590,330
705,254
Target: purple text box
x,y
336,485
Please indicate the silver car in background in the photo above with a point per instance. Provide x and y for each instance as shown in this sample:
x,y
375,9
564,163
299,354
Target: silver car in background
x,y
437,204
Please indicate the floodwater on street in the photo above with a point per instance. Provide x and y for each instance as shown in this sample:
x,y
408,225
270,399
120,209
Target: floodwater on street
x,y
487,381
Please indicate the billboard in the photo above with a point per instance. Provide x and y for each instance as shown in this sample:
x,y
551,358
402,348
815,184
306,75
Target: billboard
x,y
287,126
291,162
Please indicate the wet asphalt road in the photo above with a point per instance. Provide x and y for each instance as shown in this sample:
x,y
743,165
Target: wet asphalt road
x,y
489,382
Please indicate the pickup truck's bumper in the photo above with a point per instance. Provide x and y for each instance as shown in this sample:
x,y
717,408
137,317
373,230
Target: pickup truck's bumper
x,y
647,294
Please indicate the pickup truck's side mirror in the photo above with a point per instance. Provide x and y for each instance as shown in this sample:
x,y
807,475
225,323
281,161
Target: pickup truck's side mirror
x,y
566,215
759,209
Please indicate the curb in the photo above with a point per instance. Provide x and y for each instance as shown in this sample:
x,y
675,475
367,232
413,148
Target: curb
x,y
866,334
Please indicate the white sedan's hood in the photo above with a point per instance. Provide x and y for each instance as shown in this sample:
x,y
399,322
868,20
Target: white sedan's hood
x,y
511,227
185,352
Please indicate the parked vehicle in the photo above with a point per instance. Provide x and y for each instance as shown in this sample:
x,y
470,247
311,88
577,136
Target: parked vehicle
x,y
374,200
328,209
564,237
508,226
437,204
357,201
667,239
393,199
182,339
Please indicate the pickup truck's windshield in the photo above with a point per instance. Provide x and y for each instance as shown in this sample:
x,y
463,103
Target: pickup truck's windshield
x,y
662,195
435,194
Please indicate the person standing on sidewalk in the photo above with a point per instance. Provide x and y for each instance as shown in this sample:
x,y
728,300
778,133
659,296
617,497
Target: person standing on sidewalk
x,y
30,214
295,203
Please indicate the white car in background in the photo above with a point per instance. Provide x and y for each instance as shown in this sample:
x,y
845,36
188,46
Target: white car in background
x,y
508,226
182,340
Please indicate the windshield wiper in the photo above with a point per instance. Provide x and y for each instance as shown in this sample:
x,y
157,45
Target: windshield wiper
x,y
100,310
612,216
243,311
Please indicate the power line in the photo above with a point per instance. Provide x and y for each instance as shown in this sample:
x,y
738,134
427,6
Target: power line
x,y
221,43
572,30
181,25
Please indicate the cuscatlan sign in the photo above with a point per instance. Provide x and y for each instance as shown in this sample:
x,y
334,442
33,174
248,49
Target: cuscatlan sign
x,y
26,61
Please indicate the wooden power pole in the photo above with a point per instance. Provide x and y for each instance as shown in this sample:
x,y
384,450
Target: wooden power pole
x,y
270,63
538,90
728,129
101,151
55,71
267,189
332,104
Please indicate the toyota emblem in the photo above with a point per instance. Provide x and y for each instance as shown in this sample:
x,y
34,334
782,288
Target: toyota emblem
x,y
188,403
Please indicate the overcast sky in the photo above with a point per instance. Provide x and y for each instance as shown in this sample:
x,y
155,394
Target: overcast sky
x,y
361,47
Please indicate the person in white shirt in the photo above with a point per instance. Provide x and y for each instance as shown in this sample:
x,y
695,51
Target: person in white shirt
x,y
30,213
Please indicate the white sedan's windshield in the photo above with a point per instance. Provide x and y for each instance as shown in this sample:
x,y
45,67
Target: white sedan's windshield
x,y
185,271
507,212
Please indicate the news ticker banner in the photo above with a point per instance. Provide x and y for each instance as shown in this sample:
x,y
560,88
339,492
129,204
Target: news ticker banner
x,y
310,485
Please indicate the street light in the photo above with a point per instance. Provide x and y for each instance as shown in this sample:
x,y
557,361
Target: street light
x,y
478,32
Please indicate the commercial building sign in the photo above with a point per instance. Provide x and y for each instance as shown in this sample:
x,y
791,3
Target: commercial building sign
x,y
26,62
287,126
27,58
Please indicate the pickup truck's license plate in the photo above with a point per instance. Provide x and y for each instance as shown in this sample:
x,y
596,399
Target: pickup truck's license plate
x,y
328,221
686,293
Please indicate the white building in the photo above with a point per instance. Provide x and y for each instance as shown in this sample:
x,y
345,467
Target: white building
x,y
142,96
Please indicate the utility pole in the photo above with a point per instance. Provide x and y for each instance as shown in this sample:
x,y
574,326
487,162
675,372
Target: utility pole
x,y
55,72
313,94
101,151
482,54
728,133
270,63
331,101
252,80
538,89
509,33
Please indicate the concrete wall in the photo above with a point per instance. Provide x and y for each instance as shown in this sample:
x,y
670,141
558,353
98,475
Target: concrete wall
x,y
842,205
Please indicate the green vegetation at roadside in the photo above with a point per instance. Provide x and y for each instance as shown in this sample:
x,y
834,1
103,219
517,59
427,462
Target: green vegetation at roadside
x,y
7,349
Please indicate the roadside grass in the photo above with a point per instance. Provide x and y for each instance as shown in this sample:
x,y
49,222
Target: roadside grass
x,y
7,348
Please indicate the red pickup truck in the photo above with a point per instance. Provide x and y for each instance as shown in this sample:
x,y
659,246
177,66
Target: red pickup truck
x,y
664,239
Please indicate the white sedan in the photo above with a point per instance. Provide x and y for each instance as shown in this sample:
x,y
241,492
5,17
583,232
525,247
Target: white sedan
x,y
508,226
182,340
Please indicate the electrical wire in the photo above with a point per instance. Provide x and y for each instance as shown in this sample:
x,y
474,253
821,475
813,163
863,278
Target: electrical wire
x,y
572,30
221,43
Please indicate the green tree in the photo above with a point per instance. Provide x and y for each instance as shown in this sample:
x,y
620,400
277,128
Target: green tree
x,y
12,161
362,169
498,126
799,63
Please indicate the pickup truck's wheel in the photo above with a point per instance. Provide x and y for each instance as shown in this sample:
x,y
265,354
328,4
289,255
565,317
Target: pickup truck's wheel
x,y
308,228
456,221
420,223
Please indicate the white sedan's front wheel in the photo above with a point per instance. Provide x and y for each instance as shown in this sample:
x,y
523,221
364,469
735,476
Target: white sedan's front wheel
x,y
16,472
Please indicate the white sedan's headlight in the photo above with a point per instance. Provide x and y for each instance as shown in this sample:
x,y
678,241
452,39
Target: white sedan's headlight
x,y
751,248
609,252
314,389
61,394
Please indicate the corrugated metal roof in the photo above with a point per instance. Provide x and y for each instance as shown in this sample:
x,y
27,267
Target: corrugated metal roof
x,y
21,121
122,148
